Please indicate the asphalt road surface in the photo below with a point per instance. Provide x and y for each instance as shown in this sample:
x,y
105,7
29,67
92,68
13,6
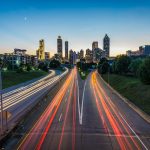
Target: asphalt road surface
x,y
18,101
87,115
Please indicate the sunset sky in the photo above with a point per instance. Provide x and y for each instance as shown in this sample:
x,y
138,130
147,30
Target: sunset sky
x,y
24,22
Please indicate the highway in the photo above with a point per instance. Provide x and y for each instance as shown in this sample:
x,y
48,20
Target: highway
x,y
86,115
19,100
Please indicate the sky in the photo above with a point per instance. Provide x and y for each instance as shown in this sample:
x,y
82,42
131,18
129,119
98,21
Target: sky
x,y
24,22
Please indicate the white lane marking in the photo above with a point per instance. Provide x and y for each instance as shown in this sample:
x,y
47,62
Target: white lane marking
x,y
78,101
60,117
81,116
133,131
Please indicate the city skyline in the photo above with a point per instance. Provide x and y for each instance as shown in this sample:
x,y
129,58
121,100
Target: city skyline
x,y
24,23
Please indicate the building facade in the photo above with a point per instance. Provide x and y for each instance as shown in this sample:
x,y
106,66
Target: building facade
x,y
94,45
81,54
19,57
41,50
146,50
59,47
97,55
106,45
47,55
143,51
89,56
72,57
66,50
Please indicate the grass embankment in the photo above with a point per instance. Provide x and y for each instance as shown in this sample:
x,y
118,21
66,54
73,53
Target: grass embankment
x,y
83,74
131,88
11,78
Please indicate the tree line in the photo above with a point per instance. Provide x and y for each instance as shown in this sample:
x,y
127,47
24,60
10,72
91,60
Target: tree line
x,y
128,66
42,65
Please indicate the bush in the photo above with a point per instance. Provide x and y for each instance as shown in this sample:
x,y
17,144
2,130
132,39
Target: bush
x,y
144,71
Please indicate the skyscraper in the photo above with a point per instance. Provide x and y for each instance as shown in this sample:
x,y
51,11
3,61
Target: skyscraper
x,y
71,56
106,45
40,52
94,45
81,54
97,54
66,50
89,56
59,46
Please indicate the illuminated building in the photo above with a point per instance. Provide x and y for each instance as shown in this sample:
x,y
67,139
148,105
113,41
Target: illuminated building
x,y
59,46
66,50
40,52
106,45
47,55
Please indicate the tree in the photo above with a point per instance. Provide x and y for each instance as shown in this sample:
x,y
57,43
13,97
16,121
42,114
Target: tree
x,y
135,65
54,64
122,64
43,66
21,68
29,68
144,71
103,66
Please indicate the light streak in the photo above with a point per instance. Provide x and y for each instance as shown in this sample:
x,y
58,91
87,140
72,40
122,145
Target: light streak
x,y
31,138
117,125
32,89
74,116
65,118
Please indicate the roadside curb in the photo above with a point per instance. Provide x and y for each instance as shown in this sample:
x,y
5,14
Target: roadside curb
x,y
145,116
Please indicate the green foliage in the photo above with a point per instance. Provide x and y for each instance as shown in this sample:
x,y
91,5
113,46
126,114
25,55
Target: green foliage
x,y
144,71
1,62
54,64
103,66
131,88
122,64
135,65
29,67
43,66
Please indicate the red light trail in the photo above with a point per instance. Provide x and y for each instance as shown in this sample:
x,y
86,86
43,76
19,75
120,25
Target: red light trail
x,y
110,111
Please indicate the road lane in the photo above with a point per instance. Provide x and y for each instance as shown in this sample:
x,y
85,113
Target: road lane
x,y
45,121
104,123
118,126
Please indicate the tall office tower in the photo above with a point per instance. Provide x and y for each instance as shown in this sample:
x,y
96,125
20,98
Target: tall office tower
x,y
40,52
89,56
74,57
97,54
71,56
81,54
59,47
66,50
106,45
94,45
